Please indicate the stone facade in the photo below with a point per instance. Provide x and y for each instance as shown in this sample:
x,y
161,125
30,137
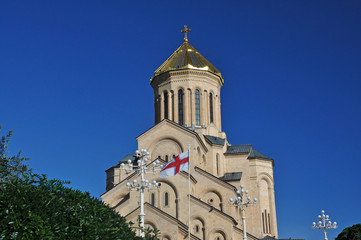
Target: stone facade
x,y
188,113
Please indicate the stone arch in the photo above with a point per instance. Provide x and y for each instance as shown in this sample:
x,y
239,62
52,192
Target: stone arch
x,y
198,226
218,234
165,146
265,186
199,155
166,237
118,197
173,197
267,177
213,197
150,224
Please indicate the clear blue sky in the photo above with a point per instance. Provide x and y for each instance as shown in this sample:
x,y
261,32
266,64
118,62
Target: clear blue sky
x,y
74,87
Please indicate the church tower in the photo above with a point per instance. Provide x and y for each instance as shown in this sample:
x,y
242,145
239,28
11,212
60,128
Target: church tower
x,y
187,90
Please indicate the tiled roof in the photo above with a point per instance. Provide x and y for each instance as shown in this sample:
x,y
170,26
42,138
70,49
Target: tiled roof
x,y
231,176
256,154
128,156
244,148
215,140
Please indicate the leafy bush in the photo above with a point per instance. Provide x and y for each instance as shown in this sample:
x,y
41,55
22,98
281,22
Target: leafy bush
x,y
34,207
350,233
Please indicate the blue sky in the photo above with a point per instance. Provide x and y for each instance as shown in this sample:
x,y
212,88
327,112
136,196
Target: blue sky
x,y
74,87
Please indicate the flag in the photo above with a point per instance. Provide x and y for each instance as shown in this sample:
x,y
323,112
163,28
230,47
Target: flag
x,y
179,163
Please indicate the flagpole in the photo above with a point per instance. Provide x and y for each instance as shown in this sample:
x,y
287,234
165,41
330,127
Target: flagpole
x,y
189,192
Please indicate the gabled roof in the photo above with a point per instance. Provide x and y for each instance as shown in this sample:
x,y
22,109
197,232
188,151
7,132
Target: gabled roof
x,y
187,57
174,124
123,160
244,148
256,154
215,140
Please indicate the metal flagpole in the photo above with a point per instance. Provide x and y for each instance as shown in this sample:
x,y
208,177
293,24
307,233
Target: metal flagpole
x,y
189,191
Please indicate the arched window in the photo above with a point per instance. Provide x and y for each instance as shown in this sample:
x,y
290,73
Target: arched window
x,y
165,105
180,106
166,199
166,158
153,199
211,107
197,106
173,157
197,229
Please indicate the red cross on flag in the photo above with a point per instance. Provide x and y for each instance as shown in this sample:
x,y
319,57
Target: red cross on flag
x,y
179,163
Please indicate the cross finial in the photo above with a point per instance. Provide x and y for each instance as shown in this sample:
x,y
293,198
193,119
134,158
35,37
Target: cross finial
x,y
185,31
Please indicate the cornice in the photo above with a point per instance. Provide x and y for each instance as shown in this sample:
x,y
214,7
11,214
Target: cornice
x,y
215,179
211,208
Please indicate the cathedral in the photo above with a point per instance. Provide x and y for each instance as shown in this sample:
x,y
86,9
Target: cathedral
x,y
187,110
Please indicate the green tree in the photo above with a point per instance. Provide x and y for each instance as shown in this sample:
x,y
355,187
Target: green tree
x,y
350,233
11,168
34,207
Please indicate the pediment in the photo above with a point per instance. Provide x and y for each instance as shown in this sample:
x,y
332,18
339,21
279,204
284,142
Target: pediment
x,y
170,137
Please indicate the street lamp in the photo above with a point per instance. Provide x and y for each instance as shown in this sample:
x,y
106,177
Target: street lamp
x,y
142,168
324,223
242,201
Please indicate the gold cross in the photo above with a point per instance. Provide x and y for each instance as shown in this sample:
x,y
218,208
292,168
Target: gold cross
x,y
185,31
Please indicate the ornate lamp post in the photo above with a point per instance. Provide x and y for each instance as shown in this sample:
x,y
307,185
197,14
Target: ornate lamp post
x,y
324,223
142,169
242,201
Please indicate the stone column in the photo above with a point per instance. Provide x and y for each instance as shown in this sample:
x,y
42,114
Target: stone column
x,y
156,111
216,111
161,104
219,114
170,106
206,108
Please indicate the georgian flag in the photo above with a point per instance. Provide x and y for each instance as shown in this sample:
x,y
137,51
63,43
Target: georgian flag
x,y
179,163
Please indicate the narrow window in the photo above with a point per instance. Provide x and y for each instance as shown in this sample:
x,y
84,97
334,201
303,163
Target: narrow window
x,y
211,107
173,157
263,223
159,157
153,199
197,106
166,199
265,218
217,163
197,228
269,224
166,158
166,105
180,106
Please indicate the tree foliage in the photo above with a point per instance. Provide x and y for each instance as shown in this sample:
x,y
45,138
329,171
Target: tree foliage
x,y
11,168
350,233
34,207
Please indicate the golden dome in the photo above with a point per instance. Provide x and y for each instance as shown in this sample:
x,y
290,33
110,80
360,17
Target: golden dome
x,y
187,57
